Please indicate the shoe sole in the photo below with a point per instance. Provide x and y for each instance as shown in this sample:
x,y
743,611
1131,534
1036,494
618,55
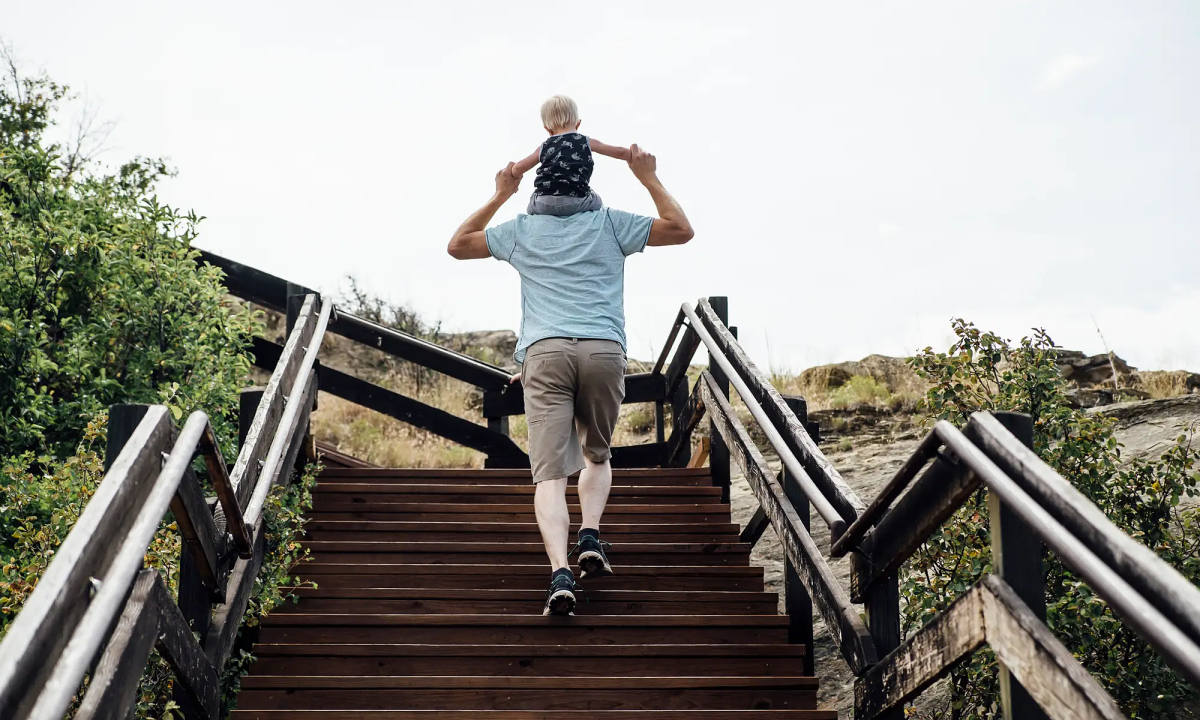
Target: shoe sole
x,y
560,603
593,565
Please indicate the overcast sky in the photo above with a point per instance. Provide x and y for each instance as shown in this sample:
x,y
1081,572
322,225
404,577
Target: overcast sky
x,y
857,173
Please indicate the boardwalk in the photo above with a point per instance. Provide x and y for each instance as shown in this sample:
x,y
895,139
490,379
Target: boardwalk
x,y
431,586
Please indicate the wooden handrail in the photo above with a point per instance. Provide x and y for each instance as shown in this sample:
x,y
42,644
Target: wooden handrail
x,y
70,619
837,525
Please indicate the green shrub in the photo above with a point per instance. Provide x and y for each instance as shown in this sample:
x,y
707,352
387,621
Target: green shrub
x,y
102,302
982,371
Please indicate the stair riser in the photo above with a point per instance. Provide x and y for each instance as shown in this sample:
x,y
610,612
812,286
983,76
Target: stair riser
x,y
531,667
565,700
503,537
617,559
517,636
529,607
446,513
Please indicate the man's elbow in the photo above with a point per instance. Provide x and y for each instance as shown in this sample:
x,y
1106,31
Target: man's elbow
x,y
683,233
456,248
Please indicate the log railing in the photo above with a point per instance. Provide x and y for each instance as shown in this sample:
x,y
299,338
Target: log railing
x,y
1029,505
97,612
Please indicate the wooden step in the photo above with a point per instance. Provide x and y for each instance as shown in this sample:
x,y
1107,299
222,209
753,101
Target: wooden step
x,y
583,661
527,602
531,715
627,554
639,510
623,477
529,577
488,528
660,493
317,692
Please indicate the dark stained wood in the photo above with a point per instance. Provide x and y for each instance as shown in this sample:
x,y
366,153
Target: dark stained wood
x,y
924,657
782,695
795,436
797,601
218,473
51,613
638,456
447,475
202,541
851,637
881,609
576,633
757,714
529,606
755,527
1172,594
227,617
1045,668
250,283
933,498
1017,558
114,682
246,469
522,663
333,459
376,491
179,648
676,374
681,508
684,420
718,452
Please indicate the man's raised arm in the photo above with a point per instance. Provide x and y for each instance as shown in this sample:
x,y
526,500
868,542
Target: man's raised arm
x,y
470,239
672,226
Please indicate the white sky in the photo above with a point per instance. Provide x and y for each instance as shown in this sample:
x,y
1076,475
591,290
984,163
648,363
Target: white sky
x,y
857,173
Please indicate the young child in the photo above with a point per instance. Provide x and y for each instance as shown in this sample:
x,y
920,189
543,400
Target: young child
x,y
562,182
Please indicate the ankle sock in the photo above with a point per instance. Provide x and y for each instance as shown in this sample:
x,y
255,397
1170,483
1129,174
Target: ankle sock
x,y
562,571
589,532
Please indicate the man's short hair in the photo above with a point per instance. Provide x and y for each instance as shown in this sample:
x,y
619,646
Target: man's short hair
x,y
559,112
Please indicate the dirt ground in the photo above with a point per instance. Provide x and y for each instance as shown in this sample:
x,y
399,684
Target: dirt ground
x,y
868,452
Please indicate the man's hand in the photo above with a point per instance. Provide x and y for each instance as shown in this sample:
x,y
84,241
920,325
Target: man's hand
x,y
507,183
642,164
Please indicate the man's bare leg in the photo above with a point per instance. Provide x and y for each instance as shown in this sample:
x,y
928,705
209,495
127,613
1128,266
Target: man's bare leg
x,y
595,482
553,519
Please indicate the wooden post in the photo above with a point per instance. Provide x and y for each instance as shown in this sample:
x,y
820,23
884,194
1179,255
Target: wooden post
x,y
498,424
796,599
122,421
248,401
718,458
1017,558
295,300
660,421
678,403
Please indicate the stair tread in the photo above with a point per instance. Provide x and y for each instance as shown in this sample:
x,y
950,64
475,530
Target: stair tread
x,y
722,650
434,682
529,714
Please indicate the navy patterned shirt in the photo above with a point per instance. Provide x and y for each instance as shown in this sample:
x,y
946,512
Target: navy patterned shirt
x,y
566,166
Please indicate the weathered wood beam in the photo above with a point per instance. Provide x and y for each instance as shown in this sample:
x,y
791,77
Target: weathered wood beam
x,y
682,360
245,473
422,352
250,283
938,492
227,617
35,639
218,473
923,658
794,434
666,349
198,530
846,628
114,683
755,527
679,445
1046,669
883,501
185,656
1171,593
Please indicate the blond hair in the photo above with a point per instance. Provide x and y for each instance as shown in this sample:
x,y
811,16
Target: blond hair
x,y
560,112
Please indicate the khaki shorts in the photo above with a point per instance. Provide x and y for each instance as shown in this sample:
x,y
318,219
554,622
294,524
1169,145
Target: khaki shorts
x,y
573,393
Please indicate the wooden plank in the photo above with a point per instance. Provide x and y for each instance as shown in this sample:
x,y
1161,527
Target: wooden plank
x,y
537,571
198,531
371,490
1046,669
464,508
703,449
579,699
638,456
795,436
357,619
473,682
484,550
851,637
422,352
114,683
883,501
528,606
797,602
179,648
1172,594
547,632
718,453
246,469
510,595
669,344
518,664
49,617
250,283
530,528
394,576
227,617
475,475
218,473
683,423
551,650
757,714
676,374
938,492
755,527
334,460
925,656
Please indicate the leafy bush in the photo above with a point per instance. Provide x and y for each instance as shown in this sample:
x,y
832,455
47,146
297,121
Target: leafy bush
x,y
982,371
102,302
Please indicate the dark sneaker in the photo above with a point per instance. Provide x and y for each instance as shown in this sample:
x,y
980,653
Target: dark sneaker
x,y
560,598
592,561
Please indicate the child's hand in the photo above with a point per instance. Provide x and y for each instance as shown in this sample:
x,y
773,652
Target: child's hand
x,y
641,163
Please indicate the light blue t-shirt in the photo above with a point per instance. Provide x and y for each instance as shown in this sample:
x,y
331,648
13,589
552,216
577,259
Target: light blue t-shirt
x,y
572,271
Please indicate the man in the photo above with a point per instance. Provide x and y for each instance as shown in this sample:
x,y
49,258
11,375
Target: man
x,y
572,348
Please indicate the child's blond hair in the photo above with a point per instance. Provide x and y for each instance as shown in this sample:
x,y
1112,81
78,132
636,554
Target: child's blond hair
x,y
560,112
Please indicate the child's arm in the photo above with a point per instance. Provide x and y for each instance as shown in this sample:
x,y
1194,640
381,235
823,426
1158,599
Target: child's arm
x,y
612,151
527,164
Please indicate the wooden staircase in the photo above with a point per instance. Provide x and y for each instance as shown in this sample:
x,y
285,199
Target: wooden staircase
x,y
430,591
